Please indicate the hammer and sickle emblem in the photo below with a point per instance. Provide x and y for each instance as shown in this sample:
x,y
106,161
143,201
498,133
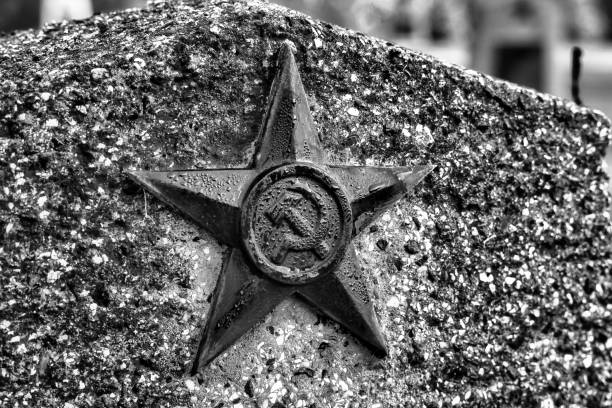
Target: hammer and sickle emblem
x,y
307,235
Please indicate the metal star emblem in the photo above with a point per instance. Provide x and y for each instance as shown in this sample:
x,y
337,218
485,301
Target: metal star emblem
x,y
289,220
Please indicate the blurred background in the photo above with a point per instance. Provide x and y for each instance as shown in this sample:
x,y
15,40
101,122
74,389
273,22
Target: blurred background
x,y
529,42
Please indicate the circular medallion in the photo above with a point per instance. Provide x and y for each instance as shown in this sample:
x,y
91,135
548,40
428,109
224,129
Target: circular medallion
x,y
296,223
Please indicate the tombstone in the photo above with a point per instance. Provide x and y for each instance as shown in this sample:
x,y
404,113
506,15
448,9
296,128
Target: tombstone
x,y
489,285
516,39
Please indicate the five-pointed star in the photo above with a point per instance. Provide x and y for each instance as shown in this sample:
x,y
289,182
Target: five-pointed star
x,y
215,200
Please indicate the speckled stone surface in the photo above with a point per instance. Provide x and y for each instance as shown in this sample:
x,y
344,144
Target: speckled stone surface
x,y
492,284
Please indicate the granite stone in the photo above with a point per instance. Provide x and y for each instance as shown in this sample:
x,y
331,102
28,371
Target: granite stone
x,y
492,284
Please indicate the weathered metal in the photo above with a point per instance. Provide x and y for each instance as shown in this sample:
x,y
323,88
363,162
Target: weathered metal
x,y
289,221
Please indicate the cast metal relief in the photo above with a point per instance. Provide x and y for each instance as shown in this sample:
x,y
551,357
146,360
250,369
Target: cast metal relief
x,y
289,221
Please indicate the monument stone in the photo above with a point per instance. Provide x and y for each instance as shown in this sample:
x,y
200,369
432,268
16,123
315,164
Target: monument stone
x,y
489,285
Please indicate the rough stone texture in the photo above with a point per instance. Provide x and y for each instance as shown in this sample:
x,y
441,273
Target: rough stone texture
x,y
493,284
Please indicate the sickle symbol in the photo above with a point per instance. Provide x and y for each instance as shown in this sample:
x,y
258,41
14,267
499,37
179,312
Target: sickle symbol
x,y
307,236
